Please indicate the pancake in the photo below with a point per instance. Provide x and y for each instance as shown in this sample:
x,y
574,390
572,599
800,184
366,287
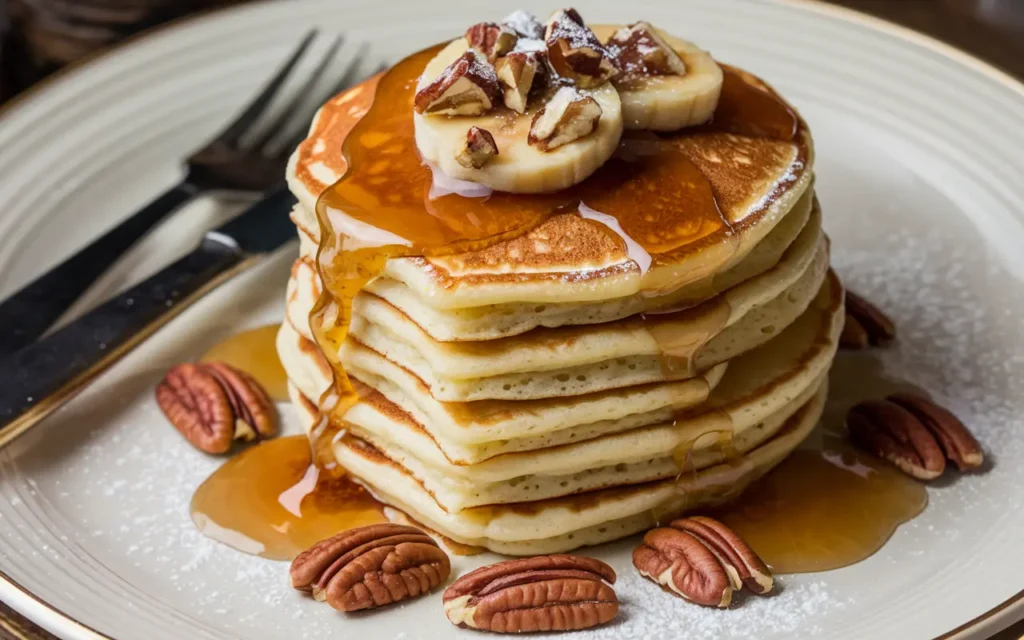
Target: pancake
x,y
563,524
474,431
761,390
490,322
757,181
600,357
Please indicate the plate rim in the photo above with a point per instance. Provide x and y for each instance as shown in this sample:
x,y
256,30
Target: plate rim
x,y
54,620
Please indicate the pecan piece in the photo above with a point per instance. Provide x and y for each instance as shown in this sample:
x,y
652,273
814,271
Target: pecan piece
x,y
743,566
568,116
516,73
370,567
492,40
545,593
525,24
639,49
893,433
682,564
865,324
575,53
957,443
212,404
478,149
467,87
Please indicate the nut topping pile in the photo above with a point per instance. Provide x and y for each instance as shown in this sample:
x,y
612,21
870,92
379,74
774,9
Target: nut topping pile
x,y
701,560
545,593
212,404
521,63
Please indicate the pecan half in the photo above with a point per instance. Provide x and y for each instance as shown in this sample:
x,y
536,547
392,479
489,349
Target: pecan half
x,y
893,433
865,324
370,567
212,404
568,116
492,40
640,50
957,443
575,53
682,564
545,593
525,24
516,73
744,567
478,149
467,87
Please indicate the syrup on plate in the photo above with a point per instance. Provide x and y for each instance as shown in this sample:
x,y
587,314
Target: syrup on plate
x,y
271,502
254,352
824,509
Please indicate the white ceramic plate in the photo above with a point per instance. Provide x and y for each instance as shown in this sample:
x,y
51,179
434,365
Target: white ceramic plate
x,y
920,165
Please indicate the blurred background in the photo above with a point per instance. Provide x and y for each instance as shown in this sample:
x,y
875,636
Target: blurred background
x,y
40,36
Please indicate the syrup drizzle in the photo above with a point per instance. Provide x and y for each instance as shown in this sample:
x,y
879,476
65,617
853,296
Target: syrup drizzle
x,y
382,208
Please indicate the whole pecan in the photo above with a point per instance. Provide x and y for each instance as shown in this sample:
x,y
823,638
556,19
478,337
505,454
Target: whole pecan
x,y
683,565
701,560
212,404
957,443
915,434
744,567
371,567
865,324
545,593
892,433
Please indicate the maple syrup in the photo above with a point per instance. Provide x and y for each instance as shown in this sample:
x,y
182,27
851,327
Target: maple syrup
x,y
271,502
254,352
661,203
824,509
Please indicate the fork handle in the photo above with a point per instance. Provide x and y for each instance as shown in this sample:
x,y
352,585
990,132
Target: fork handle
x,y
31,311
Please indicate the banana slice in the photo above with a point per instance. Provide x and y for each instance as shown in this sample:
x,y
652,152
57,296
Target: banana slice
x,y
518,166
669,102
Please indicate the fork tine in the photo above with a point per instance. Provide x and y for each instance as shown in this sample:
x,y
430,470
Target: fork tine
x,y
306,118
237,129
274,129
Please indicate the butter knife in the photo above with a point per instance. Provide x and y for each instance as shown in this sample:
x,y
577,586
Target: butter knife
x,y
41,377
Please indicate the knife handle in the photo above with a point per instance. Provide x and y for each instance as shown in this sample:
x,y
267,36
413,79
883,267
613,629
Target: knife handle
x,y
31,311
43,376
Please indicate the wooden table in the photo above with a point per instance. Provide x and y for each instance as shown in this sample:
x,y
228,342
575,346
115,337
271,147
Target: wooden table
x,y
995,37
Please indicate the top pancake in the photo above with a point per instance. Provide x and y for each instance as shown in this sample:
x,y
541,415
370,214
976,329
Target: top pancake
x,y
567,258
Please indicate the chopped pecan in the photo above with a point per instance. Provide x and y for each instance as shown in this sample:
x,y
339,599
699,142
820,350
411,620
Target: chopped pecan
x,y
467,87
575,53
743,566
957,443
893,433
516,73
492,40
682,564
566,117
212,404
865,324
478,150
640,50
525,24
545,593
371,567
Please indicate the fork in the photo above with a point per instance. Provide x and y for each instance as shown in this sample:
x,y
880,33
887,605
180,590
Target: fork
x,y
228,163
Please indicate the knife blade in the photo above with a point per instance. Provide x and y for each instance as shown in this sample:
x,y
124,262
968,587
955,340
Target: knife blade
x,y
43,376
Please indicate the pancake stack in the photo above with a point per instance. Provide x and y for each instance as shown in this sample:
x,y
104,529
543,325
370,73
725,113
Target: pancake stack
x,y
525,399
